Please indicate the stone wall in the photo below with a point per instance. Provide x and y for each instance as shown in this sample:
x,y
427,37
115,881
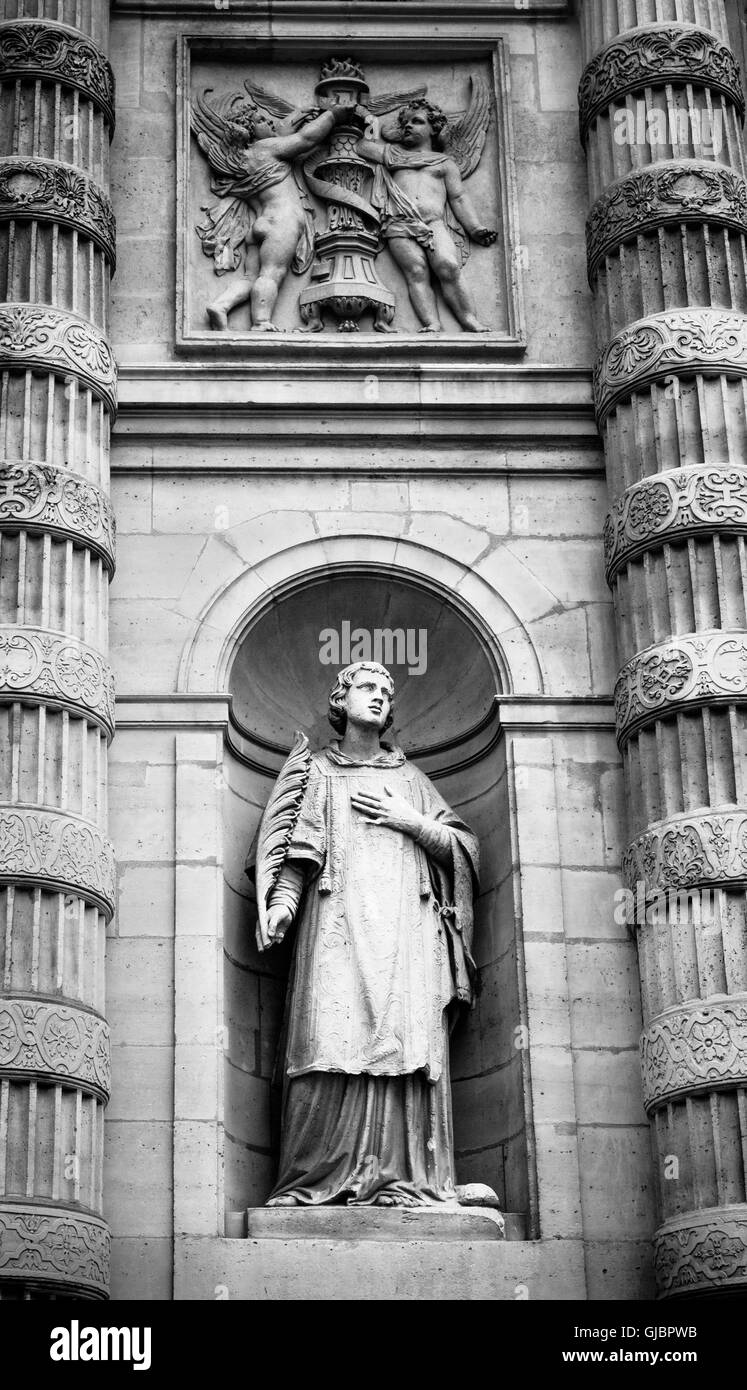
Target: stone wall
x,y
482,477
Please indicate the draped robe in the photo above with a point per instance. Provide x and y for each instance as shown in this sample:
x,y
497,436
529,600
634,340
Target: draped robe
x,y
382,952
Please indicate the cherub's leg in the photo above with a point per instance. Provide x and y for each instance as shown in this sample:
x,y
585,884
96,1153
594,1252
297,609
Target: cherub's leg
x,y
446,267
276,250
236,293
411,259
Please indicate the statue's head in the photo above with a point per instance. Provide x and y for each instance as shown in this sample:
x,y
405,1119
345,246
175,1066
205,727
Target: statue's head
x,y
249,123
420,123
366,691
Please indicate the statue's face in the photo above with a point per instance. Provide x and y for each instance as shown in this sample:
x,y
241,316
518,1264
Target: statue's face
x,y
416,129
369,699
263,127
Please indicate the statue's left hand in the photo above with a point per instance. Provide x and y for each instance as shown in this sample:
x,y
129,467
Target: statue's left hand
x,y
391,810
485,236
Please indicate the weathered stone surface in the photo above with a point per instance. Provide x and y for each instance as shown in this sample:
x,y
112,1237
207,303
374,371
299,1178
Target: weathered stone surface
x,y
374,1223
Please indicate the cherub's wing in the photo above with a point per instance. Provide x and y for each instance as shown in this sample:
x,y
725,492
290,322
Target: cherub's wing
x,y
269,101
210,122
464,135
381,106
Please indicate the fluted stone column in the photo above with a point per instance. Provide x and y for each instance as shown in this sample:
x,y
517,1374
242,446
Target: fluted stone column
x,y
661,111
58,386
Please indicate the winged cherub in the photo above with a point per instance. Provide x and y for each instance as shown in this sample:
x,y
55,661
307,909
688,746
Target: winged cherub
x,y
251,157
428,217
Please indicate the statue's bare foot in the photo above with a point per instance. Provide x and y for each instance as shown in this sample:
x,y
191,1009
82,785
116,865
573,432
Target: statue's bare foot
x,y
474,326
396,1199
430,328
266,327
288,1200
217,318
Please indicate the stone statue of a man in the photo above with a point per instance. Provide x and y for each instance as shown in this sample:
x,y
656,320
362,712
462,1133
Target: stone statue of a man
x,y
379,874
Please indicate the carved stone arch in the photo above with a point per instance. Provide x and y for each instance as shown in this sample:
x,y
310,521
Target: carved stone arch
x,y
207,658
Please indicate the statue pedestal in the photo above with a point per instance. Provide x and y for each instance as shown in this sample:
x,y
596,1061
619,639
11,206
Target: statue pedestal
x,y
375,1223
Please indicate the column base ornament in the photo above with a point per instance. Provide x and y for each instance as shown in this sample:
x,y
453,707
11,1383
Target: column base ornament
x,y
681,342
49,668
699,668
671,506
651,56
56,1043
693,1048
702,1252
60,853
694,849
44,51
44,1246
49,340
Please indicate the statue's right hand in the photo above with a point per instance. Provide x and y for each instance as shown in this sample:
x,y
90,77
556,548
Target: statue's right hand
x,y
278,921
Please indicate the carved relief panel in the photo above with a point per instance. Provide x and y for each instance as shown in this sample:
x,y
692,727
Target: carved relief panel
x,y
330,192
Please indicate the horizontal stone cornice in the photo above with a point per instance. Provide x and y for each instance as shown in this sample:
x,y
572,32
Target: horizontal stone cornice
x,y
39,498
693,1048
47,191
670,193
694,669
703,848
57,852
676,343
54,1042
41,338
671,506
43,1244
42,667
41,49
653,56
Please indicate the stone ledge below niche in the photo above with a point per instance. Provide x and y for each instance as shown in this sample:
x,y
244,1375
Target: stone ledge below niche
x,y
333,1270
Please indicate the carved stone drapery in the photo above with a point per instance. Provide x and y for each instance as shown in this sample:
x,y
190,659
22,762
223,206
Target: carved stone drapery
x,y
661,195
667,262
51,52
58,378
653,55
695,669
57,1042
45,190
693,1048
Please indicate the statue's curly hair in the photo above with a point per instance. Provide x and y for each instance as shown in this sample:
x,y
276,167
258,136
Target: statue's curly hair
x,y
435,115
243,120
337,714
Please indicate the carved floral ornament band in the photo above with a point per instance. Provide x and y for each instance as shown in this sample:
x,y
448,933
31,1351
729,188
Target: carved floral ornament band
x,y
59,1043
670,507
38,497
680,342
704,1250
672,192
45,1243
694,1047
689,850
34,49
654,55
50,340
50,667
48,191
60,853
692,669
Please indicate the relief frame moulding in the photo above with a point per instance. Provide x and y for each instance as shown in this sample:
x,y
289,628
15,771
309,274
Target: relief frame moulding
x,y
231,46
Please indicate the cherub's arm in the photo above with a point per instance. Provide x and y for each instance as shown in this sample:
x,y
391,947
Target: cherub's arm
x,y
371,146
293,146
463,208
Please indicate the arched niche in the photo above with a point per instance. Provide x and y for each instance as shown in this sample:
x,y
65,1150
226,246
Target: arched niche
x,y
449,670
